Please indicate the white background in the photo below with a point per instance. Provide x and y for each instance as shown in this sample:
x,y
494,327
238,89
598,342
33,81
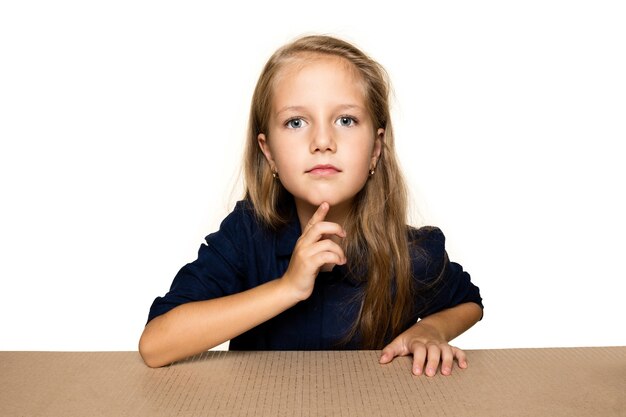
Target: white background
x,y
122,124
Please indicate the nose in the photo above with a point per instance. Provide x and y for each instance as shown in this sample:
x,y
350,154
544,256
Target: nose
x,y
323,140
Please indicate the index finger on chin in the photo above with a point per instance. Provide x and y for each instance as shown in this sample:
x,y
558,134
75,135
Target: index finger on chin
x,y
319,215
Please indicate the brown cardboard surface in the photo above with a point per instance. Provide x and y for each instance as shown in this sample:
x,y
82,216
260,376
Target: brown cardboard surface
x,y
512,382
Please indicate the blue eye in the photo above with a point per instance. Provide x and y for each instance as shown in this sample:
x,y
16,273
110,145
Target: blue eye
x,y
295,123
346,121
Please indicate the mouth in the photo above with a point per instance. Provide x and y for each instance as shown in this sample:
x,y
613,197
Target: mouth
x,y
323,170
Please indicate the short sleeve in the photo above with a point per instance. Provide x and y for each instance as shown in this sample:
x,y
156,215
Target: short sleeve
x,y
440,283
218,270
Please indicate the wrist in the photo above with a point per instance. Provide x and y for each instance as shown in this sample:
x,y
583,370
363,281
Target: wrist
x,y
430,331
291,292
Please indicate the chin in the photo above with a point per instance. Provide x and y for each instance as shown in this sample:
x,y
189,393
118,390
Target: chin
x,y
315,196
332,200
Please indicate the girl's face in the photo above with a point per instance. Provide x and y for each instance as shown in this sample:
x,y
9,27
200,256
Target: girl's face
x,y
320,140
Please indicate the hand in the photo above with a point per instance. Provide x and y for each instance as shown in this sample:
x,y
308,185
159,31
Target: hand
x,y
312,251
428,349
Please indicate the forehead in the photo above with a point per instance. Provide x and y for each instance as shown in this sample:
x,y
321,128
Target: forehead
x,y
317,78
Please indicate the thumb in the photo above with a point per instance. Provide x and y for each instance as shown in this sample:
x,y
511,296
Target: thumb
x,y
388,353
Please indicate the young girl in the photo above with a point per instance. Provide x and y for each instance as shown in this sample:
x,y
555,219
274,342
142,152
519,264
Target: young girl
x,y
318,255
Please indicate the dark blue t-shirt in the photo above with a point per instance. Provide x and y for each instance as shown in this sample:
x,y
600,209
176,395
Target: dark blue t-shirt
x,y
244,254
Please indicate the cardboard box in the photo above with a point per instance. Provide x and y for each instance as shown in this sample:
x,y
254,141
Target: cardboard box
x,y
517,382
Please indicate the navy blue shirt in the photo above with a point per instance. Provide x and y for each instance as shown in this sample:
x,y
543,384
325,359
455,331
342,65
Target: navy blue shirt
x,y
244,254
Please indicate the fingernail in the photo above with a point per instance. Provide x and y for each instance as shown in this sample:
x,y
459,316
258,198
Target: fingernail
x,y
430,372
446,371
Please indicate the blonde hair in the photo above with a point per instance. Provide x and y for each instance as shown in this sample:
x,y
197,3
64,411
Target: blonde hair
x,y
377,225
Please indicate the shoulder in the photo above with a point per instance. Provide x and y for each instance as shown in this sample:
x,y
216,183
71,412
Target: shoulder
x,y
427,238
244,210
242,215
427,248
240,224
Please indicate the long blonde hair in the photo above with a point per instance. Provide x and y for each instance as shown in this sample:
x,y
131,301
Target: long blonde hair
x,y
377,225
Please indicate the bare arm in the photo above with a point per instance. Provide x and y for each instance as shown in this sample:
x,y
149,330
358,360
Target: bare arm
x,y
198,326
427,340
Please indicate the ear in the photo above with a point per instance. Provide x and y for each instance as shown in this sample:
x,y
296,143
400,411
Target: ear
x,y
265,148
378,147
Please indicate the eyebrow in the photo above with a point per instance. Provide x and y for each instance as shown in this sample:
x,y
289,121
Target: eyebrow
x,y
303,108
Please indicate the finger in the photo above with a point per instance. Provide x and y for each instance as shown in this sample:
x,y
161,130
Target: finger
x,y
321,229
396,348
323,258
419,357
447,359
389,352
460,356
434,355
319,215
328,245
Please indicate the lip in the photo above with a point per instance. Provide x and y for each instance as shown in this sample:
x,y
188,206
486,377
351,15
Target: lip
x,y
323,170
